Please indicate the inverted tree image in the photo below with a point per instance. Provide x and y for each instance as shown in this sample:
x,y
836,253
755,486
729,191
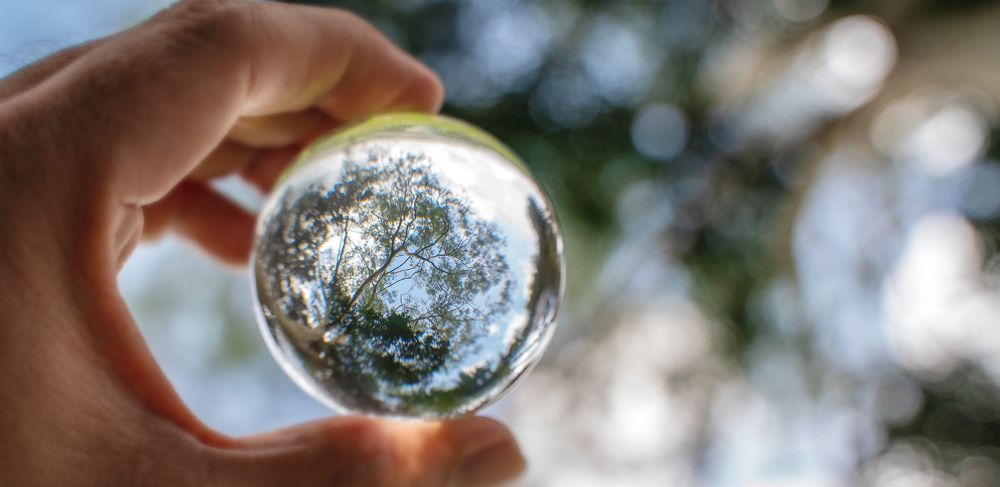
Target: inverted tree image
x,y
396,273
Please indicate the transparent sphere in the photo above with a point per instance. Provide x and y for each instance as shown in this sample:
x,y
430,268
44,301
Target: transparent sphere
x,y
409,266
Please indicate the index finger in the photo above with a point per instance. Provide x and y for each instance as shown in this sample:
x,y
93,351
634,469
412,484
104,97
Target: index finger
x,y
151,102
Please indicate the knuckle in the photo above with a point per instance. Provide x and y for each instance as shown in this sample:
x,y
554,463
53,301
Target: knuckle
x,y
187,9
204,33
353,23
216,23
347,17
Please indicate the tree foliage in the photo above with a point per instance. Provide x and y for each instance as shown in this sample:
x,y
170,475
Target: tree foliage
x,y
406,274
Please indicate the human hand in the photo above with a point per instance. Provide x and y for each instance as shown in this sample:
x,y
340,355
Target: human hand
x,y
116,140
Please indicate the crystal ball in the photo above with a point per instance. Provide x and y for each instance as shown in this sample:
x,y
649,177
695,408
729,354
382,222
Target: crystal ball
x,y
409,266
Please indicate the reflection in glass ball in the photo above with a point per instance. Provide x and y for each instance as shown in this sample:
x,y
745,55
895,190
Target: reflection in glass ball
x,y
409,266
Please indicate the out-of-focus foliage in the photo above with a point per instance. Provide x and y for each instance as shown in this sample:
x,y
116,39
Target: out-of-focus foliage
x,y
792,204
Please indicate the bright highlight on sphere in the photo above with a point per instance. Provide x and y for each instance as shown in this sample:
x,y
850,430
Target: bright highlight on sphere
x,y
409,266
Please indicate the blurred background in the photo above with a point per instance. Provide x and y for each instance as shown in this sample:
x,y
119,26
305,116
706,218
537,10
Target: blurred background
x,y
782,233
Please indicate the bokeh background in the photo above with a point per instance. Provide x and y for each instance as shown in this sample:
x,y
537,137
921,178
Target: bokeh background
x,y
782,232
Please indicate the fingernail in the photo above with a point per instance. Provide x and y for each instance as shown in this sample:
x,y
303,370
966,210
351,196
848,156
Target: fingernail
x,y
495,464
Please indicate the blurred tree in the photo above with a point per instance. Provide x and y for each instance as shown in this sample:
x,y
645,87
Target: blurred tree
x,y
565,82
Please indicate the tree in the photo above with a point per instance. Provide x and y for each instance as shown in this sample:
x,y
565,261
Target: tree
x,y
491,375
409,275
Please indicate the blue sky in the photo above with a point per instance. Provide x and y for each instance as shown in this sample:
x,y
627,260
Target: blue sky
x,y
33,29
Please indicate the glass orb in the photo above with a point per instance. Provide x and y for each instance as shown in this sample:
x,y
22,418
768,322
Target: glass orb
x,y
409,266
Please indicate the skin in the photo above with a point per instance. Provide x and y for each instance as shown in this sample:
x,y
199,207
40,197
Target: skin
x,y
114,141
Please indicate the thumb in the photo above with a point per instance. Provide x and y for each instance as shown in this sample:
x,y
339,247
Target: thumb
x,y
354,451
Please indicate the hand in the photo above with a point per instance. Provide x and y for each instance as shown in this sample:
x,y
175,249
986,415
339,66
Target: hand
x,y
116,140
